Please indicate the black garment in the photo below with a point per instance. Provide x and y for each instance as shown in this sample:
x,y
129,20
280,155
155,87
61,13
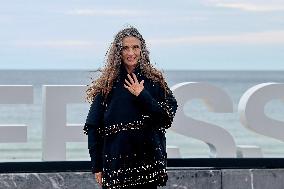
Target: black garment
x,y
149,185
126,134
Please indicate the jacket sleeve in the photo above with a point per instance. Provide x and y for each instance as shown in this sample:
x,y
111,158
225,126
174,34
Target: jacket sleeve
x,y
162,108
94,129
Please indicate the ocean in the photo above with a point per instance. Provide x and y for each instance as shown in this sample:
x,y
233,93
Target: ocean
x,y
235,83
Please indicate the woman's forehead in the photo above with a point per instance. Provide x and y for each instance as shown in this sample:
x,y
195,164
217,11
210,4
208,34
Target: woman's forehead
x,y
130,40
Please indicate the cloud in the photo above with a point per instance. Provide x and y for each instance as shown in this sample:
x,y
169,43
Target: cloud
x,y
161,15
62,44
6,19
270,37
252,5
106,12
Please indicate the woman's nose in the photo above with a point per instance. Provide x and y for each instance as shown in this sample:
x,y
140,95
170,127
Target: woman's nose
x,y
130,51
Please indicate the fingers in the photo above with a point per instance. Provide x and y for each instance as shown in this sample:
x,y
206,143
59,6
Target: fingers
x,y
129,89
135,78
127,82
130,79
142,82
100,181
99,178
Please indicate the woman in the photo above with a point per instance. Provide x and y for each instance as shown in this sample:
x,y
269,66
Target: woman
x,y
131,108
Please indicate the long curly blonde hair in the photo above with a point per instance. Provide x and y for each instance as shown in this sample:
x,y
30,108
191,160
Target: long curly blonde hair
x,y
113,60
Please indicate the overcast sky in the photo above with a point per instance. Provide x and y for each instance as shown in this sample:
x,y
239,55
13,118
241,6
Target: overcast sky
x,y
181,34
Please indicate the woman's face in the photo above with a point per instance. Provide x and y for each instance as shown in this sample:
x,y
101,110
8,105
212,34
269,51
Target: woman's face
x,y
131,48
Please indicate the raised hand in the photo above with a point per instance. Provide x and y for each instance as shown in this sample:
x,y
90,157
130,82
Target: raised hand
x,y
133,85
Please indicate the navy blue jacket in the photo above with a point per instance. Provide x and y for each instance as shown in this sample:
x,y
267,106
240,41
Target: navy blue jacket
x,y
126,133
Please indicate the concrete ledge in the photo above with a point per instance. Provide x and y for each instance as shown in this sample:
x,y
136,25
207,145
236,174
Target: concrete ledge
x,y
181,178
194,179
253,179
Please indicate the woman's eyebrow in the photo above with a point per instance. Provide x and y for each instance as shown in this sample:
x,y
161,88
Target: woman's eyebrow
x,y
129,46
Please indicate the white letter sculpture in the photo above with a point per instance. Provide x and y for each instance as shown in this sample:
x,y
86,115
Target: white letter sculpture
x,y
55,130
220,142
16,94
251,109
